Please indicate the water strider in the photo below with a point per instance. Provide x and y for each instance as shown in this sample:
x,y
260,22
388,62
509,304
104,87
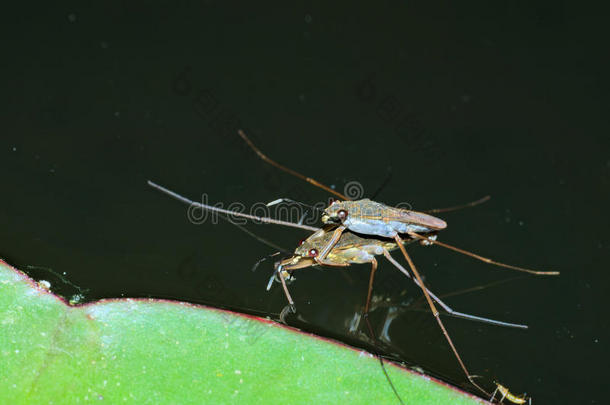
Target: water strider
x,y
368,217
373,218
349,249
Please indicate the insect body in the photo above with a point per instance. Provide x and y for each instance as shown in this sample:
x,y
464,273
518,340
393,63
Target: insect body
x,y
350,249
361,216
373,218
515,399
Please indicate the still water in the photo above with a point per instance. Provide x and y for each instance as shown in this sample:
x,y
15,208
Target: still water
x,y
426,107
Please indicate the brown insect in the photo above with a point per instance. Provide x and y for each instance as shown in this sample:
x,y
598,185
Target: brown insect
x,y
349,249
506,394
355,249
369,217
373,218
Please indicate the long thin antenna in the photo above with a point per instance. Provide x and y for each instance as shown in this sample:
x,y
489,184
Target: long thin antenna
x,y
228,212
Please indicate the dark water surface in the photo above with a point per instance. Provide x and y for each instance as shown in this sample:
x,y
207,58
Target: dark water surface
x,y
458,102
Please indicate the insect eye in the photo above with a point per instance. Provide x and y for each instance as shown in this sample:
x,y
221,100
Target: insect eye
x,y
301,242
342,214
313,252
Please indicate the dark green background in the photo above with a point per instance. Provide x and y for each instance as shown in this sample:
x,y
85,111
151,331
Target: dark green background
x,y
459,101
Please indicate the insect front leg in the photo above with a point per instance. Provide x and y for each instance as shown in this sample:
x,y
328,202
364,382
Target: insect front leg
x,y
285,287
333,241
330,263
493,395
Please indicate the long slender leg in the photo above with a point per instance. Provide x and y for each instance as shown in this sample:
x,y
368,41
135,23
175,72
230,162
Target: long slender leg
x,y
331,264
458,207
284,313
445,306
333,241
372,277
493,394
288,170
503,396
481,258
279,272
229,212
285,287
482,287
255,236
436,314
370,327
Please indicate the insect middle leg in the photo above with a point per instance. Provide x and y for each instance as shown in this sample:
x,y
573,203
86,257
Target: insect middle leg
x,y
493,395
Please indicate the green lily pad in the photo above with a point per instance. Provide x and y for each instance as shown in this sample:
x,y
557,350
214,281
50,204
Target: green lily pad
x,y
146,351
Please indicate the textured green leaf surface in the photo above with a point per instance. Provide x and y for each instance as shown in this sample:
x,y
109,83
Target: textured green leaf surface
x,y
160,352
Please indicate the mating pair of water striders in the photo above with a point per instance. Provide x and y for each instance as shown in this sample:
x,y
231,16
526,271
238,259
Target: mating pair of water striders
x,y
355,232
